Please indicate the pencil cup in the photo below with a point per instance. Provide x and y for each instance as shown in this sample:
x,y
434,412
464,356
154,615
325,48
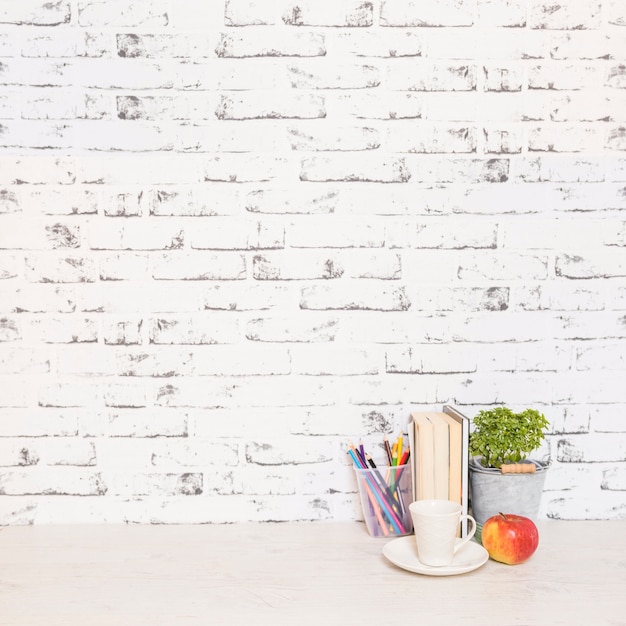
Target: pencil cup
x,y
385,497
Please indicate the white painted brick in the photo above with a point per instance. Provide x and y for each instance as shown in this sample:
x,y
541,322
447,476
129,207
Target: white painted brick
x,y
165,45
118,332
250,12
564,76
356,295
235,234
41,298
122,266
365,327
10,329
494,13
54,481
66,43
231,74
270,105
35,12
591,325
37,72
504,266
614,479
333,232
296,44
306,200
34,170
592,448
314,139
117,136
566,234
43,234
431,138
243,168
571,15
209,199
55,451
499,141
80,356
379,106
120,13
244,297
66,393
429,359
132,423
45,268
441,233
357,167
524,357
159,484
230,136
135,74
8,44
448,170
38,423
432,298
600,357
414,13
288,451
131,395
587,44
199,266
498,327
559,296
62,330
270,480
111,234
9,106
350,13
500,77
36,134
314,328
297,266
560,168
584,107
55,105
195,330
57,200
607,418
571,139
308,76
379,43
372,264
260,360
593,264
427,75
329,359
23,360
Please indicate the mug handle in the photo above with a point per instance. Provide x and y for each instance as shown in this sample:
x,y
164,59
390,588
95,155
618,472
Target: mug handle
x,y
459,544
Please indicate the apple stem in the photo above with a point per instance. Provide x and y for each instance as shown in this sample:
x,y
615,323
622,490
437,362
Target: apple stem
x,y
504,516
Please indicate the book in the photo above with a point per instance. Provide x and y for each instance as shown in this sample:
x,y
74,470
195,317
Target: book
x,y
440,457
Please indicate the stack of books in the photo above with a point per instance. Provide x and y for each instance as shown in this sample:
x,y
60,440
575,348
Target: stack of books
x,y
439,457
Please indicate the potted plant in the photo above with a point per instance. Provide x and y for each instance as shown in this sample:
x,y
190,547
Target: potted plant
x,y
502,478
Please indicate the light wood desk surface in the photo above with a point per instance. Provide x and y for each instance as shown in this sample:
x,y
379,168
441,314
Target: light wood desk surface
x,y
297,573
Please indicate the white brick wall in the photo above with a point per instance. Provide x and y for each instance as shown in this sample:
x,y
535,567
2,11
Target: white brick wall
x,y
235,234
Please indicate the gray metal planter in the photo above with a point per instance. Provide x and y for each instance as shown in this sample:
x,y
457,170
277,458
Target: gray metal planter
x,y
493,492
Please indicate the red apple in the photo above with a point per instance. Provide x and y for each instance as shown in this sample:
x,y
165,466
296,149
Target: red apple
x,y
510,539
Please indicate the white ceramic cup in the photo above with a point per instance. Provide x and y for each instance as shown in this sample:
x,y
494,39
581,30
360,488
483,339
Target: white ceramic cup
x,y
436,523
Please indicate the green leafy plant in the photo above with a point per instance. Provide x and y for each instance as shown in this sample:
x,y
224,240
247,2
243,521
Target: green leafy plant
x,y
501,436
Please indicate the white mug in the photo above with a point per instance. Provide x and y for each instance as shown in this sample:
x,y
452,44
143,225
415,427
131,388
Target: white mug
x,y
436,523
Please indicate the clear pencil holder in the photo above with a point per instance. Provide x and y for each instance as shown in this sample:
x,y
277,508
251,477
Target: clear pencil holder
x,y
386,493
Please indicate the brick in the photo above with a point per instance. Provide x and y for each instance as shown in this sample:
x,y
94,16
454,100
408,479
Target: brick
x,y
42,234
292,329
256,136
591,325
419,359
160,484
41,298
584,107
592,448
605,419
14,360
9,330
267,44
11,266
499,141
125,396
55,105
236,234
260,360
570,139
210,199
347,13
554,234
616,139
79,356
497,327
37,72
117,332
376,44
297,266
242,168
376,263
59,451
441,298
414,13
614,479
119,13
132,74
354,296
38,423
441,234
194,452
58,481
123,204
338,77
199,266
600,357
287,452
9,201
61,330
239,296
441,169
568,16
571,420
601,264
430,75
380,106
586,44
560,296
503,78
65,394
249,13
327,359
615,13
121,136
35,13
504,266
8,44
287,201
431,138
332,139
126,235
560,76
194,330
270,105
44,268
358,168
524,357
9,106
230,74
65,44
510,14
133,423
398,328
332,232
123,266
36,134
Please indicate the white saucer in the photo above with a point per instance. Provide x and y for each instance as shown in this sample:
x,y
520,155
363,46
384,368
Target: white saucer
x,y
403,553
